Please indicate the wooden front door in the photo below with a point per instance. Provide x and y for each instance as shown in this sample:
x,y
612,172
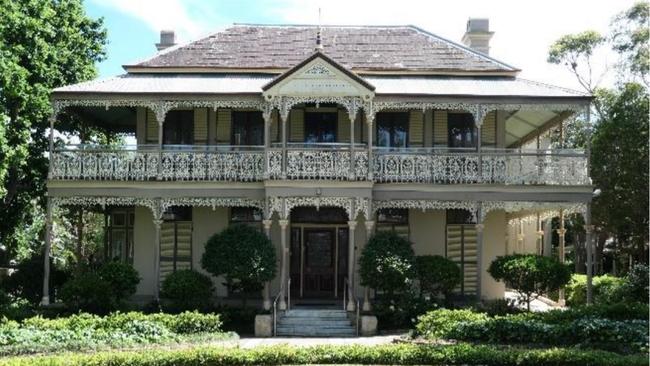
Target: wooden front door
x,y
320,260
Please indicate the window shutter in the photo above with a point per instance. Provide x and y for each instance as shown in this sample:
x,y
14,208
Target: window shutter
x,y
224,121
141,125
200,125
462,250
416,126
275,127
152,128
489,130
297,125
343,126
440,128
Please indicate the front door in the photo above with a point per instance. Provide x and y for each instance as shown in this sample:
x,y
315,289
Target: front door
x,y
320,259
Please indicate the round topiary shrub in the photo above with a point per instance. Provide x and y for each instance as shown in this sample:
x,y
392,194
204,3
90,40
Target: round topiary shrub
x,y
636,283
243,255
387,263
530,275
122,278
437,274
186,290
88,292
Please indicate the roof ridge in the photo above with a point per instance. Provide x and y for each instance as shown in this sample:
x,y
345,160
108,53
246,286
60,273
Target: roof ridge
x,y
322,25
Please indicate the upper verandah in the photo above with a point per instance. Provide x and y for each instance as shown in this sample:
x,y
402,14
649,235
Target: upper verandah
x,y
362,49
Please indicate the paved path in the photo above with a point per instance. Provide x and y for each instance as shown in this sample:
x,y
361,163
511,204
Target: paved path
x,y
306,342
535,305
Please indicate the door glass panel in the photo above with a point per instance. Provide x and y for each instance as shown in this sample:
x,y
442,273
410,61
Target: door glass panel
x,y
320,127
392,129
462,131
320,252
247,128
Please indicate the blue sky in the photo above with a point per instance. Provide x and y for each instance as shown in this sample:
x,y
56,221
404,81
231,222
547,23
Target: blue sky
x,y
524,29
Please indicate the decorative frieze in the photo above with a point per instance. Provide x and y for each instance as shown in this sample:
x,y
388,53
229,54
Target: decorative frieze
x,y
352,206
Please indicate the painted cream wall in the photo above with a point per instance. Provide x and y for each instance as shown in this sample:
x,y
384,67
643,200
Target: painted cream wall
x,y
427,232
494,240
205,223
143,261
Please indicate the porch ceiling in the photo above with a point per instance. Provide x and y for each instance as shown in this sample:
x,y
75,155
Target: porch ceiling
x,y
525,125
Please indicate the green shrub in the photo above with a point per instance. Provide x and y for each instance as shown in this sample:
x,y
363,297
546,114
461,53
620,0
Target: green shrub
x,y
26,281
636,283
400,312
439,323
243,255
402,354
122,278
14,308
437,274
88,292
619,311
497,307
387,263
529,274
187,290
607,289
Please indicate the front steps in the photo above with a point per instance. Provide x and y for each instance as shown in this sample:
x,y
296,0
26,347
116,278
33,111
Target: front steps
x,y
305,322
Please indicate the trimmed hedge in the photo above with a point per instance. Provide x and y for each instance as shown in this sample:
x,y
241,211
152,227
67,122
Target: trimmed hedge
x,y
117,330
579,327
405,354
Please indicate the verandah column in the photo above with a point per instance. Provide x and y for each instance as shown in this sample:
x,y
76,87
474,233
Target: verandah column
x,y
479,250
589,228
370,227
370,117
157,223
284,224
45,300
561,232
351,173
352,224
266,293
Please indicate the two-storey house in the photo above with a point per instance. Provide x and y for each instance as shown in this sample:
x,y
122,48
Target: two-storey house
x,y
320,136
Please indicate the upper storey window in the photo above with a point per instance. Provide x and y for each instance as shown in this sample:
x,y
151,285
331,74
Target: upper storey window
x,y
179,128
320,127
247,128
392,129
461,129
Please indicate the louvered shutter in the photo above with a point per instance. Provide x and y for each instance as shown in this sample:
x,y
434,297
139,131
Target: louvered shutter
x,y
297,125
201,126
152,128
416,129
440,128
462,250
224,122
343,126
489,130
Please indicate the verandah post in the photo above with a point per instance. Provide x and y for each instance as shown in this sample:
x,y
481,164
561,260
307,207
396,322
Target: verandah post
x,y
46,253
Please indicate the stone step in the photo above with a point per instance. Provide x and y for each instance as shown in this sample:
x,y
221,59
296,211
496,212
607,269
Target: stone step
x,y
315,313
316,332
313,322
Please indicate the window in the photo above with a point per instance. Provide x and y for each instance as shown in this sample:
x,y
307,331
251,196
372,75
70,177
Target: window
x,y
119,234
462,248
394,219
176,240
247,128
392,129
178,128
246,215
320,127
461,129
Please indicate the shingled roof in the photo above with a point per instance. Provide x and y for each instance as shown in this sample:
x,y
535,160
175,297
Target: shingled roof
x,y
358,48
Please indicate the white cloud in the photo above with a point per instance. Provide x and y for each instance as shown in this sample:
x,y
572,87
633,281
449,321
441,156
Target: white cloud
x,y
524,30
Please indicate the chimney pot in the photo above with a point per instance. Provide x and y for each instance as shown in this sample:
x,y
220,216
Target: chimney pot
x,y
167,39
477,35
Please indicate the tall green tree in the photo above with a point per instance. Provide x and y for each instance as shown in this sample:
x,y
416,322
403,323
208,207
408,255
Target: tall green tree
x,y
43,44
631,38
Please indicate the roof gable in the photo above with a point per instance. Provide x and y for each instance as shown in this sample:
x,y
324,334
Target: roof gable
x,y
275,48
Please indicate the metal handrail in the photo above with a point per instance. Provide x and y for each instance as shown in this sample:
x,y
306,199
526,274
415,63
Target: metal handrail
x,y
347,289
275,304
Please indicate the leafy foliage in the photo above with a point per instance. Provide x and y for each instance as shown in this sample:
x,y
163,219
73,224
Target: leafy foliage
x,y
630,39
529,274
243,255
394,354
400,312
387,263
636,283
43,45
86,331
121,277
88,292
575,51
27,280
187,290
609,289
437,274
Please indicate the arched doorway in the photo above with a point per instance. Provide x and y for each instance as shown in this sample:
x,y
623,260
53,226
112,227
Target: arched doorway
x,y
319,252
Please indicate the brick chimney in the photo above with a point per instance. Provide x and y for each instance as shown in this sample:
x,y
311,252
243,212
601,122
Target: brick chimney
x,y
478,35
167,39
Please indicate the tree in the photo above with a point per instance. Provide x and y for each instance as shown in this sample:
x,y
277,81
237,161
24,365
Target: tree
x,y
387,263
530,275
437,274
630,38
620,168
243,255
43,44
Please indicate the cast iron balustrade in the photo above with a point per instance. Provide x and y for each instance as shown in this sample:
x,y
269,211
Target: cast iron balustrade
x,y
320,162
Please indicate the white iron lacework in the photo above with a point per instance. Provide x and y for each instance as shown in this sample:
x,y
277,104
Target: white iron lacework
x,y
285,103
424,205
318,69
527,212
352,206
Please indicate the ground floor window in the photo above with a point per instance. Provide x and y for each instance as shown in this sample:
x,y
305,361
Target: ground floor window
x,y
246,215
119,234
462,248
394,219
176,241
